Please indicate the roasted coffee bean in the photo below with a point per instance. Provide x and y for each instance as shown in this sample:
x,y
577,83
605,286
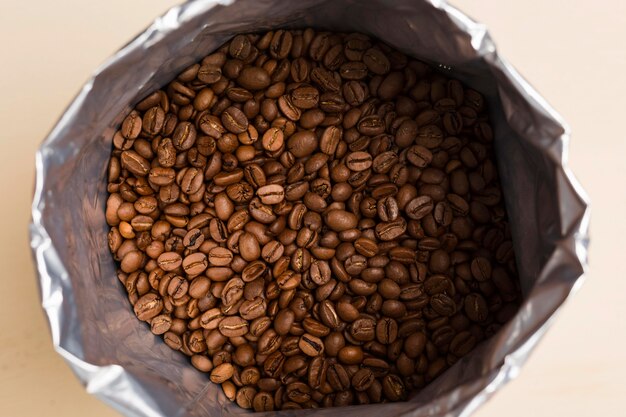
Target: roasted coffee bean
x,y
476,307
419,207
271,194
359,161
362,379
233,326
340,220
391,230
148,307
273,139
314,218
253,78
350,355
234,120
311,345
386,330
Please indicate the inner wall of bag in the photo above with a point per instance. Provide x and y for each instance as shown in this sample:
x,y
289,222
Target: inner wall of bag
x,y
120,338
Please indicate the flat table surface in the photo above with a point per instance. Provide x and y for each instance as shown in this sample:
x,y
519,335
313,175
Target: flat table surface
x,y
573,52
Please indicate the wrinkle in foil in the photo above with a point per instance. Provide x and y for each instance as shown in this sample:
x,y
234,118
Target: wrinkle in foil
x,y
117,358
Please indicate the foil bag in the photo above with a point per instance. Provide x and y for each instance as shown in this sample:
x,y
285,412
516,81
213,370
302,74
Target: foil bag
x,y
116,356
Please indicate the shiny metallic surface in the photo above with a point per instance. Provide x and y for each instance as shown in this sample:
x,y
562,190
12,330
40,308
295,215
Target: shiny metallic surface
x,y
120,361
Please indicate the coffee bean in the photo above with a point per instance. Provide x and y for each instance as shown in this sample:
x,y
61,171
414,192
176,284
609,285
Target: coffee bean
x,y
302,143
273,139
337,377
169,261
362,379
253,78
131,126
271,194
359,161
350,355
195,264
339,259
393,388
386,330
184,136
148,307
476,307
233,326
234,120
135,163
390,230
263,401
311,345
340,220
481,269
222,373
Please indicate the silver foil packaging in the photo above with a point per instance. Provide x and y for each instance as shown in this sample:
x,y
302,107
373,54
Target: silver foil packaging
x,y
116,356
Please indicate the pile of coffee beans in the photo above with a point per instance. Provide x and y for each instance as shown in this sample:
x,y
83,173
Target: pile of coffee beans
x,y
314,218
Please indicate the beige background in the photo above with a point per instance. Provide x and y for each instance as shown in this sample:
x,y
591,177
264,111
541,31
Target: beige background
x,y
572,51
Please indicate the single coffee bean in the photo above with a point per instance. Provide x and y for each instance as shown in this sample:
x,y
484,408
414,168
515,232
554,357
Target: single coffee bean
x,y
195,264
390,230
271,194
350,355
362,379
148,307
234,120
340,220
419,207
476,307
233,326
311,345
386,330
169,261
359,161
253,78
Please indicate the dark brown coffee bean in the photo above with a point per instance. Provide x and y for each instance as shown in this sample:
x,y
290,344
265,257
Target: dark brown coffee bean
x,y
393,388
253,78
184,136
419,207
481,269
363,329
311,345
329,315
234,120
131,126
386,330
337,377
443,305
359,161
320,272
376,61
476,307
340,220
302,143
263,401
362,379
391,230
419,156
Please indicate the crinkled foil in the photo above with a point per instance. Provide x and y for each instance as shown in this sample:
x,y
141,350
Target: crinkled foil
x,y
115,355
